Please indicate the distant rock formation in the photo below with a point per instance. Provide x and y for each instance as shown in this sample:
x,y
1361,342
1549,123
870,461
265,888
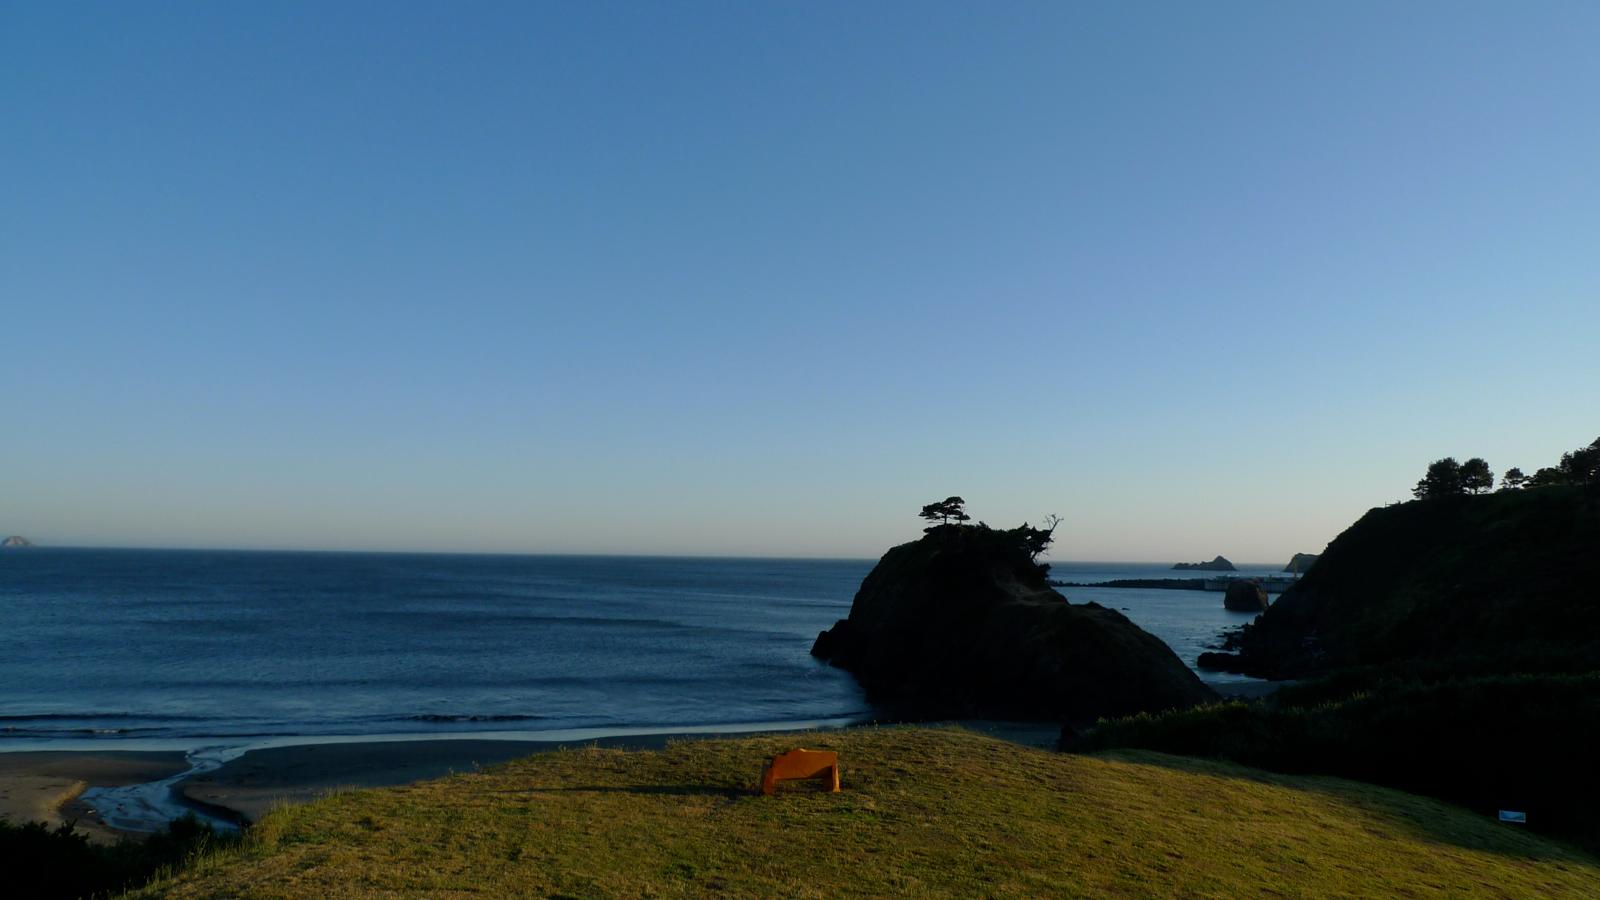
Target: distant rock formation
x,y
16,540
1300,562
1245,596
1164,584
1219,564
963,623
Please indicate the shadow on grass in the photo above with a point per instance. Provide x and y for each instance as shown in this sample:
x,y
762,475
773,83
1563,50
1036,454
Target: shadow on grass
x,y
674,790
1481,742
1421,817
678,790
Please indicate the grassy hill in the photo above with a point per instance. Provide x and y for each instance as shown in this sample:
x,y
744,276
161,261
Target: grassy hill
x,y
924,812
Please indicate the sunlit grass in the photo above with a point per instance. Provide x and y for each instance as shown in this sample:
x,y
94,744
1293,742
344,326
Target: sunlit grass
x,y
923,811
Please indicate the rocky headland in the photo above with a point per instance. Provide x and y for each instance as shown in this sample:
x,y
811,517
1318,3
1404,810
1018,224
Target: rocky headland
x,y
16,540
1499,582
1448,646
964,623
1300,562
1217,564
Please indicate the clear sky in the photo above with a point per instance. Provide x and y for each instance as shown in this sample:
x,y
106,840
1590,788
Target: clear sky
x,y
763,278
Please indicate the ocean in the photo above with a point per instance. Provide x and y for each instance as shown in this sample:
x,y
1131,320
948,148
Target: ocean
x,y
155,648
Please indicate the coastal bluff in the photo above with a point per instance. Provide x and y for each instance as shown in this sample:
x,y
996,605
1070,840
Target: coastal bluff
x,y
963,623
1500,582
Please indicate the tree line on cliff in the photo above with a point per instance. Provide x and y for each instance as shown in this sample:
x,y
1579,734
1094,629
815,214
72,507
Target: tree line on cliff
x,y
1447,477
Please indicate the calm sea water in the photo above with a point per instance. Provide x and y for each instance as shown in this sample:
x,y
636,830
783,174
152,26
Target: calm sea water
x,y
142,645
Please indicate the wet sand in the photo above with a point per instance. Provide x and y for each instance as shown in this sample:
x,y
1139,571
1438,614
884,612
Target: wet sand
x,y
250,786
44,786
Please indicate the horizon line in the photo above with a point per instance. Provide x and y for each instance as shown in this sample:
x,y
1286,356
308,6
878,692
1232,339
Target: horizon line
x,y
555,554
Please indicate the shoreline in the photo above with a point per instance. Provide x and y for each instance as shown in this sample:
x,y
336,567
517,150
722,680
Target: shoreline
x,y
47,785
135,788
245,743
131,791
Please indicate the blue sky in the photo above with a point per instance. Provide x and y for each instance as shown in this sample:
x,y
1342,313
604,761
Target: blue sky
x,y
758,278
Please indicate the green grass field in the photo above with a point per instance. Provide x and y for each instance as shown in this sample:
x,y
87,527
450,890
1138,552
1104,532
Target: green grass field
x,y
924,812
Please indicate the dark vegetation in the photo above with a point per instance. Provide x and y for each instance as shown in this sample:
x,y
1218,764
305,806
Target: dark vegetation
x,y
950,509
1450,646
1519,742
964,623
44,862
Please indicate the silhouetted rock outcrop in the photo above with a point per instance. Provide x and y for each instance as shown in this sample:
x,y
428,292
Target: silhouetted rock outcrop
x,y
963,623
1300,562
1213,661
1493,583
1219,564
1245,596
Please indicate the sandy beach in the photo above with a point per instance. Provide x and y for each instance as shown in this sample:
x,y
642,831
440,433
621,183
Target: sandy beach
x,y
46,785
43,786
248,787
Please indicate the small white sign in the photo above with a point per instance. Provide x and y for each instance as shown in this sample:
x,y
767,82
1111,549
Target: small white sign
x,y
1510,815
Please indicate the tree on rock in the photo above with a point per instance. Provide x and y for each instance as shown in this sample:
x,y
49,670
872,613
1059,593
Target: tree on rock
x,y
1513,480
1443,480
1035,541
1476,476
950,509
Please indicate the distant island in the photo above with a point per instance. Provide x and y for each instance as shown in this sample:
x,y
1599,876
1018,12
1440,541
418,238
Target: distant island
x,y
1301,562
16,540
1220,564
1165,584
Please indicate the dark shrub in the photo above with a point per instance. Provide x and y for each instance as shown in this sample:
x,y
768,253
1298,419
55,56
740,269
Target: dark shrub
x,y
1522,742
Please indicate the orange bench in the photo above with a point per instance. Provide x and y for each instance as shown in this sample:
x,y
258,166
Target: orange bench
x,y
799,765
